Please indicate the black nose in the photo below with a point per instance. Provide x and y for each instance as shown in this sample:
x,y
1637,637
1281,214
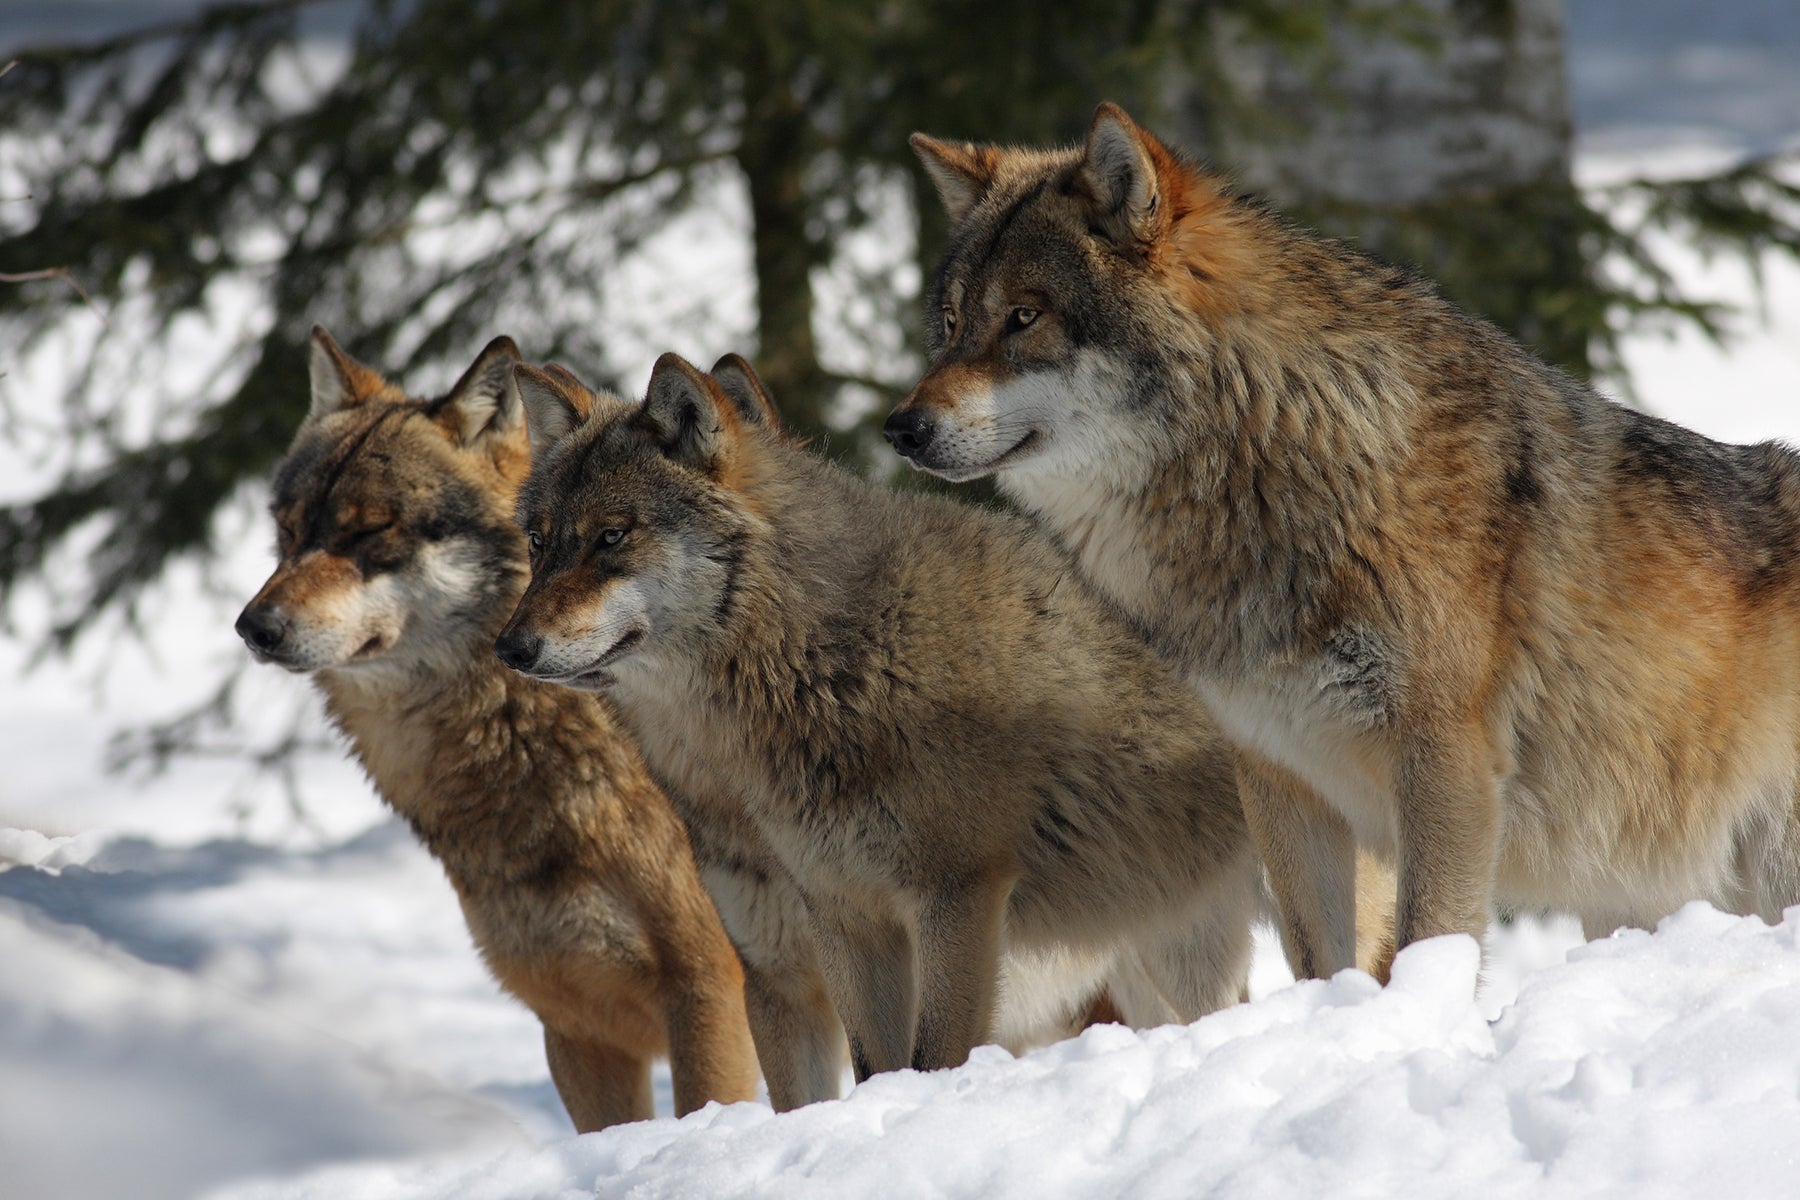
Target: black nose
x,y
262,628
518,649
909,431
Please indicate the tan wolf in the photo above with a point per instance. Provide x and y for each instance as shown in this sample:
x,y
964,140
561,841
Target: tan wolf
x,y
1045,993
399,562
1447,601
951,746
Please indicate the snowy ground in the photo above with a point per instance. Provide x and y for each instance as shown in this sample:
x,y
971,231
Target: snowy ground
x,y
203,993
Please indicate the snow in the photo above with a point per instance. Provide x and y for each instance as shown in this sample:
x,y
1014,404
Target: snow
x,y
1660,1064
206,992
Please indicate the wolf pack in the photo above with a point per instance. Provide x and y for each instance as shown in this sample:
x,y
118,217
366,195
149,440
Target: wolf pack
x,y
1318,601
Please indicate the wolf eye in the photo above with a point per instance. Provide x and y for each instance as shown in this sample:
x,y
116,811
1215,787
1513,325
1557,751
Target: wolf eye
x,y
611,537
949,321
1019,318
360,536
534,541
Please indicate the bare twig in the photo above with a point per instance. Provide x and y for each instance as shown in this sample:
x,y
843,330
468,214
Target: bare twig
x,y
61,273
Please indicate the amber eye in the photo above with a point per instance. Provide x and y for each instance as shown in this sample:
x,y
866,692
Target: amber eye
x,y
1020,318
949,321
611,537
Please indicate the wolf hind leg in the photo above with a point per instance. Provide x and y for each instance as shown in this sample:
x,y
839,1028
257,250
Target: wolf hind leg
x,y
600,1085
1768,867
1205,966
1375,891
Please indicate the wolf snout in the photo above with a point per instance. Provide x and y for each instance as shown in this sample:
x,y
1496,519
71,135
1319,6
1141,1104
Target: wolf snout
x,y
519,649
909,431
263,629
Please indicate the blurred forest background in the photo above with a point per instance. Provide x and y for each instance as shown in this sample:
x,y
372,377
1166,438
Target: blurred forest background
x,y
181,201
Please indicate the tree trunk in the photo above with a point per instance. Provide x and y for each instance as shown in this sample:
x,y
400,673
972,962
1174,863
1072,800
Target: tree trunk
x,y
773,156
1450,151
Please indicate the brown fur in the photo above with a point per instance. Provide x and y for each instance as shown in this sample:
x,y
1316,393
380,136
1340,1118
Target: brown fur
x,y
949,745
1447,602
399,563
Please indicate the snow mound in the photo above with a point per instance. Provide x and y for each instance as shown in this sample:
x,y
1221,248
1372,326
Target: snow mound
x,y
1650,1064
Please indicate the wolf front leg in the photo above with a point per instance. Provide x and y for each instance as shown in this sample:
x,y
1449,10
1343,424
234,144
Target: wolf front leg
x,y
600,1085
711,1053
1310,854
868,961
959,959
1449,834
798,1039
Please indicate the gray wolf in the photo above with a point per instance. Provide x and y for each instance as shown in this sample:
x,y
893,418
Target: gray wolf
x,y
399,561
1447,602
951,746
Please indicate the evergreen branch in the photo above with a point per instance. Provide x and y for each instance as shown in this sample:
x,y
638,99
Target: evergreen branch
x,y
212,20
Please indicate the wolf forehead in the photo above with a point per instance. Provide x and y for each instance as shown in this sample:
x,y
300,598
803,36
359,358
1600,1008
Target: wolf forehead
x,y
380,457
607,466
1038,213
1030,245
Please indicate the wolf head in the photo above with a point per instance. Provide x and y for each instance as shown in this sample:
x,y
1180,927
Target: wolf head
x,y
394,520
636,517
1070,277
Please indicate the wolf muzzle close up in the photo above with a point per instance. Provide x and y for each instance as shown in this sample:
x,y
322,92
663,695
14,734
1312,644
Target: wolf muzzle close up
x,y
519,650
909,431
263,630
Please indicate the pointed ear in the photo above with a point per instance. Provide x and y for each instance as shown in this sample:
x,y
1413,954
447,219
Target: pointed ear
x,y
962,171
687,413
1119,166
484,400
338,381
552,408
744,388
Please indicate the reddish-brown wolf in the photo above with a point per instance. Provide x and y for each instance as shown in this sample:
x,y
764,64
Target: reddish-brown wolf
x,y
399,562
1446,601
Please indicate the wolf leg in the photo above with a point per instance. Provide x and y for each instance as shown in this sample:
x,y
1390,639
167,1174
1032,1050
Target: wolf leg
x,y
959,959
1310,853
799,1043
1205,966
868,962
1449,837
798,1039
711,1055
600,1085
1768,868
1375,889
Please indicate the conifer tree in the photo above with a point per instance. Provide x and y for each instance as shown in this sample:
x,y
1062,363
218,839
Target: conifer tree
x,y
419,176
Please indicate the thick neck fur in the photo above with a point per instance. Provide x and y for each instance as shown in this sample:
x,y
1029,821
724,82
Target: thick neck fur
x,y
804,642
1270,433
476,757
